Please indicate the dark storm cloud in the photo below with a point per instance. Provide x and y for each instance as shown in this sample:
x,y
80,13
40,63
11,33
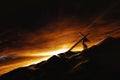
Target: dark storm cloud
x,y
39,12
21,19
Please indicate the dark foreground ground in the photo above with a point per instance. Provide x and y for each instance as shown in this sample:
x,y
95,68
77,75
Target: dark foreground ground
x,y
100,62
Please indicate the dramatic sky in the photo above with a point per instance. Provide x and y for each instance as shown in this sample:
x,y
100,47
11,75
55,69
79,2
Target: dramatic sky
x,y
33,30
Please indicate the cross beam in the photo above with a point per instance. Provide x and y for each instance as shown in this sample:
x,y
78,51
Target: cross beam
x,y
84,37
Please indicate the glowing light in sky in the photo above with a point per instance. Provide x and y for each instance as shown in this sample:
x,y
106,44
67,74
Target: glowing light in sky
x,y
55,52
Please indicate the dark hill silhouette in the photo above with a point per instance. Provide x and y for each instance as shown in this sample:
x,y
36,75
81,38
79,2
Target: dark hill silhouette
x,y
100,62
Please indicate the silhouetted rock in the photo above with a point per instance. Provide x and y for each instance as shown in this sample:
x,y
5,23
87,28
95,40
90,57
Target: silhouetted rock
x,y
100,62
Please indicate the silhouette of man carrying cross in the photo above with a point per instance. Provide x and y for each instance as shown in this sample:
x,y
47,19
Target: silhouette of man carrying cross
x,y
84,40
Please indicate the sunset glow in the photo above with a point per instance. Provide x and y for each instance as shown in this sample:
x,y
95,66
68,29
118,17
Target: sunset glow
x,y
42,44
34,57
